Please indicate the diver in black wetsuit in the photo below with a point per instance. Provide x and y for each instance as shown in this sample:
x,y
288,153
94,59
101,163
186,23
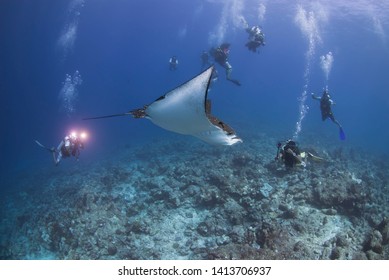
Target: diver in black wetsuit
x,y
325,106
173,63
256,38
69,146
220,54
326,112
291,155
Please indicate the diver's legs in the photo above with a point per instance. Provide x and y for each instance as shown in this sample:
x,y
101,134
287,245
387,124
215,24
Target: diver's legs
x,y
335,121
53,153
58,158
228,74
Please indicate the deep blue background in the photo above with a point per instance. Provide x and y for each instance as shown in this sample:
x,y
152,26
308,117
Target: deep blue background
x,y
122,50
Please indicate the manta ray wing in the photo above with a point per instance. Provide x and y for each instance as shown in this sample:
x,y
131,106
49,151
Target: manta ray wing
x,y
183,110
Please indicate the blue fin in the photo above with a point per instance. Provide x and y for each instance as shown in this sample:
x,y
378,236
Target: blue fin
x,y
342,136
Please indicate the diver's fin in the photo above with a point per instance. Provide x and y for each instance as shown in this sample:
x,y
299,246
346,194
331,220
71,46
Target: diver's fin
x,y
44,147
39,144
314,157
342,135
236,82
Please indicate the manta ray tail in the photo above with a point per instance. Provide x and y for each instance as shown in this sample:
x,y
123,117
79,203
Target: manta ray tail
x,y
108,116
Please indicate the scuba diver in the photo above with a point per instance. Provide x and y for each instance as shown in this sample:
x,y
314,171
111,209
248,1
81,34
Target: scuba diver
x,y
220,55
256,38
326,112
291,155
69,146
173,63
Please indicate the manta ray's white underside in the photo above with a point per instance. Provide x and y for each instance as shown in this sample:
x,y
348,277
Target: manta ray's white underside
x,y
183,110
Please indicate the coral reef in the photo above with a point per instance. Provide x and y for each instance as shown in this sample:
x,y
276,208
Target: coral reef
x,y
187,200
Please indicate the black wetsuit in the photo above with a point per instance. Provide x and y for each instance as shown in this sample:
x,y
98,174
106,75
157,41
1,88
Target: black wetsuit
x,y
173,63
325,108
221,57
289,159
73,149
256,39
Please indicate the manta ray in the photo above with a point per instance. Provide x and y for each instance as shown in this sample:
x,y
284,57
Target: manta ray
x,y
186,110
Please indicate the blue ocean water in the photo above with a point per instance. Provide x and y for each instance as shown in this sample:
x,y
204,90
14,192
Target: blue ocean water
x,y
61,61
121,49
